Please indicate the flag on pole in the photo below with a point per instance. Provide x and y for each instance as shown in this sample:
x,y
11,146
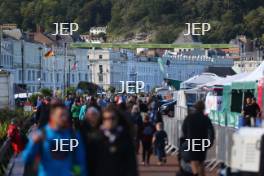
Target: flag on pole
x,y
74,66
161,64
49,54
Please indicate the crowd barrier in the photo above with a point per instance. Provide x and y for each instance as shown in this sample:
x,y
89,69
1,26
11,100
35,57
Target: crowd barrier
x,y
221,150
6,153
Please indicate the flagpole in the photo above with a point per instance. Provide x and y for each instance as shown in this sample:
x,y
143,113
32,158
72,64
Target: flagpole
x,y
53,73
64,69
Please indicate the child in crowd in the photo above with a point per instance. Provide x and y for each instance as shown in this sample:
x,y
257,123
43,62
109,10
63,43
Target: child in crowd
x,y
146,138
160,140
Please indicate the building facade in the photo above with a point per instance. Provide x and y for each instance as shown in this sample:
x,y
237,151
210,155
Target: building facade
x,y
109,67
30,68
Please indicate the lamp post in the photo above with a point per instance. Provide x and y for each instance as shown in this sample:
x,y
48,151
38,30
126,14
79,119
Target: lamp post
x,y
69,78
40,66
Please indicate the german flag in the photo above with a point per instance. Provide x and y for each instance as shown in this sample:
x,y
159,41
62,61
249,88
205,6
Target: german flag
x,y
49,54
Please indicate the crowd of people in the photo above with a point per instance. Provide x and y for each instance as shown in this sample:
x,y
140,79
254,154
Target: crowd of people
x,y
110,134
109,131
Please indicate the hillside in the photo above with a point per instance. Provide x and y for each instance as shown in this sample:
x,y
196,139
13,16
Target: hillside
x,y
162,19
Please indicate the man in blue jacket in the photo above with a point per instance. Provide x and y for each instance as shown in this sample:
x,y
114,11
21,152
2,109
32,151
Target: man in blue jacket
x,y
52,146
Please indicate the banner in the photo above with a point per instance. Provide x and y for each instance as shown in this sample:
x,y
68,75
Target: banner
x,y
233,119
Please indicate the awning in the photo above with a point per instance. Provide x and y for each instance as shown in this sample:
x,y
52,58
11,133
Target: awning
x,y
174,83
244,85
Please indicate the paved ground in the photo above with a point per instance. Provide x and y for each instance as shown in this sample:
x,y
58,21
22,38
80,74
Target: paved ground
x,y
169,169
154,170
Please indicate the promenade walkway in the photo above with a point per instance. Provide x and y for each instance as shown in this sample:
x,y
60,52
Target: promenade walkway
x,y
154,170
168,169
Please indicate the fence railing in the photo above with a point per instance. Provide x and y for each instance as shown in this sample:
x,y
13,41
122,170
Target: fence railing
x,y
7,159
220,151
6,153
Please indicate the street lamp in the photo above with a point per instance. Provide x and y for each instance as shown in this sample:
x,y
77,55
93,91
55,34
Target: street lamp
x,y
69,78
40,66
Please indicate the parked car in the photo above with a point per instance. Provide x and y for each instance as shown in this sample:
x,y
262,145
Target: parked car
x,y
162,102
168,108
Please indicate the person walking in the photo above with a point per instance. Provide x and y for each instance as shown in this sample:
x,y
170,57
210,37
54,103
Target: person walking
x,y
137,124
116,156
15,137
160,140
196,126
43,149
92,138
146,136
42,114
75,112
83,110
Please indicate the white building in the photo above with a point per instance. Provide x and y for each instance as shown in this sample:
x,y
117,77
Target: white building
x,y
109,67
98,30
246,65
27,62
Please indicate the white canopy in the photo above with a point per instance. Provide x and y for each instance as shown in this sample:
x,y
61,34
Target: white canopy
x,y
199,80
227,80
257,74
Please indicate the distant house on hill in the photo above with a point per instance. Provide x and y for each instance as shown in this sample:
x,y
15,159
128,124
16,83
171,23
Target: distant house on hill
x,y
185,39
98,30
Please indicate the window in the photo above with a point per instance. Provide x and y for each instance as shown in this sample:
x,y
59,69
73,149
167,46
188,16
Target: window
x,y
57,77
44,77
73,78
29,75
80,77
101,78
100,69
51,77
86,77
20,75
38,74
100,56
33,75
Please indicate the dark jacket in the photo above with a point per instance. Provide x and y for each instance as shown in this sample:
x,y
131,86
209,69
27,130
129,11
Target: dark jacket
x,y
137,123
92,139
147,132
198,126
116,158
42,114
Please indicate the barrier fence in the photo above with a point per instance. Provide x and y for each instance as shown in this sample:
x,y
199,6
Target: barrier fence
x,y
6,153
220,151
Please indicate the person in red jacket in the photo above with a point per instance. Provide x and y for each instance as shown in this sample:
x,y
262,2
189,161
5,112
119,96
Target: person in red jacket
x,y
15,137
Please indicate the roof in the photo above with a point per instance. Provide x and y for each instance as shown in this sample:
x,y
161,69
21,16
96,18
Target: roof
x,y
221,71
199,80
98,28
227,80
14,33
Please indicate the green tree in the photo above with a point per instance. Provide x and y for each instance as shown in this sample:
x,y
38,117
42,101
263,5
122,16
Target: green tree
x,y
46,92
254,22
